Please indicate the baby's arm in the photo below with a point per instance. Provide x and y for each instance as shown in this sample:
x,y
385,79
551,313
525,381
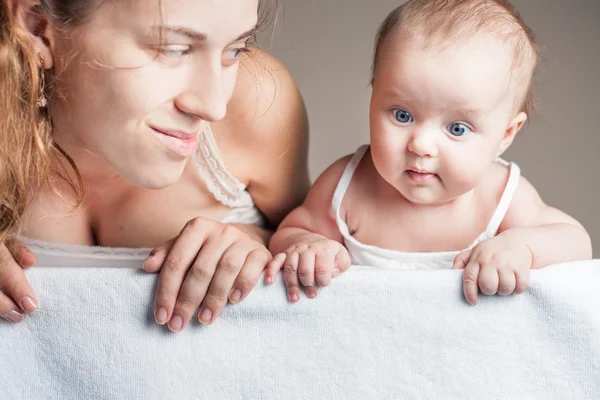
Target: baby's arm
x,y
532,235
551,235
308,244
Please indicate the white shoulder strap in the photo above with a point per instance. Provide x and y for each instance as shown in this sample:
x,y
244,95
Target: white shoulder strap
x,y
344,181
505,200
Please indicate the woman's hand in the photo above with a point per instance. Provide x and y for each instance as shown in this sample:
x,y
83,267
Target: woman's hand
x,y
16,295
206,265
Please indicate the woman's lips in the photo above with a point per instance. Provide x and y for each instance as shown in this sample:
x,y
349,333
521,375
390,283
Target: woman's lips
x,y
184,146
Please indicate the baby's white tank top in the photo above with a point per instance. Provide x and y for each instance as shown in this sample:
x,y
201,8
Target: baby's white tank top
x,y
368,255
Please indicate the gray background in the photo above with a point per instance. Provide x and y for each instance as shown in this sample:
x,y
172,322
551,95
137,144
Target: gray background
x,y
327,45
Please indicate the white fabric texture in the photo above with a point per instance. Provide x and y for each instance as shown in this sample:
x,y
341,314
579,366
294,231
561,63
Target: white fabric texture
x,y
374,334
364,254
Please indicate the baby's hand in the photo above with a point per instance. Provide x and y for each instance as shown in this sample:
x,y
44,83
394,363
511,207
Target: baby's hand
x,y
498,265
311,265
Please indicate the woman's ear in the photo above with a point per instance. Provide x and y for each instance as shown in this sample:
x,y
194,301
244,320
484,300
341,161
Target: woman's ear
x,y
30,16
513,128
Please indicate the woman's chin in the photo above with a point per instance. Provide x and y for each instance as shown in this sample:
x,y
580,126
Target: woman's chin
x,y
157,178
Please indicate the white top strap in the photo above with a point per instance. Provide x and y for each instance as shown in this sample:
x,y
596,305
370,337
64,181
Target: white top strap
x,y
344,181
506,199
226,188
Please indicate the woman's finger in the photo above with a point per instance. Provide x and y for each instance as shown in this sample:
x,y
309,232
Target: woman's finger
x,y
157,257
197,280
9,310
227,270
21,253
172,274
250,274
14,284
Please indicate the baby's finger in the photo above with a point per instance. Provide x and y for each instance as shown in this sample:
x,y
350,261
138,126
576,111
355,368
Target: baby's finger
x,y
470,279
488,280
461,260
342,262
521,281
324,263
311,291
306,268
274,267
290,275
507,282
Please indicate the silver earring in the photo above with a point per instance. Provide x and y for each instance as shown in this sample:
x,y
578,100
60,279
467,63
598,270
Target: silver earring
x,y
42,101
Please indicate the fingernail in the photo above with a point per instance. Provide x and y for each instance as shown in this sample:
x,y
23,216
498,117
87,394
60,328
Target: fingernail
x,y
269,280
235,296
161,316
205,316
28,304
294,298
148,262
176,323
312,295
336,273
13,316
28,253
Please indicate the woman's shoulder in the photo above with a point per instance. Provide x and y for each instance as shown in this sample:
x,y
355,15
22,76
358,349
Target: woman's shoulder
x,y
266,118
266,100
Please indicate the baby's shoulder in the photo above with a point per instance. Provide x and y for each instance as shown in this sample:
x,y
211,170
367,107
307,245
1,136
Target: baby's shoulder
x,y
524,203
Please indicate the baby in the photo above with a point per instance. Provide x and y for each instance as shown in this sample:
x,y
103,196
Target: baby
x,y
451,89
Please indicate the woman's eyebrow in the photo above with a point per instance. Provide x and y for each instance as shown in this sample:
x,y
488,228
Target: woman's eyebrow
x,y
199,36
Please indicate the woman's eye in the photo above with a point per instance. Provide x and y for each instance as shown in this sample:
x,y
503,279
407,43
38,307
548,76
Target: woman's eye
x,y
457,129
175,52
402,116
231,55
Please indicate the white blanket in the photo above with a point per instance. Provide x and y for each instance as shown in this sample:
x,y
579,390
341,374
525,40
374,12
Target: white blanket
x,y
373,334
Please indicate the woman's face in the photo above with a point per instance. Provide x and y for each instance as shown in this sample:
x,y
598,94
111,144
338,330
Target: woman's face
x,y
135,84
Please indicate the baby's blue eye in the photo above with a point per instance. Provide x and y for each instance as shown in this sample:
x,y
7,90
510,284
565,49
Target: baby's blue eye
x,y
457,129
402,116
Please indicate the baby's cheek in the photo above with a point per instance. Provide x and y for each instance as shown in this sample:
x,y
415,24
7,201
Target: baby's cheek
x,y
388,161
465,177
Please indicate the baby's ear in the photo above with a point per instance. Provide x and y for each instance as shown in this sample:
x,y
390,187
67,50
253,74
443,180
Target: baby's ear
x,y
511,131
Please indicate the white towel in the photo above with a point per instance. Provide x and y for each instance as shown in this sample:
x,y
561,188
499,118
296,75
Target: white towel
x,y
373,334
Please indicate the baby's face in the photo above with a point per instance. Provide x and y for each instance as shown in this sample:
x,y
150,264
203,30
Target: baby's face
x,y
440,114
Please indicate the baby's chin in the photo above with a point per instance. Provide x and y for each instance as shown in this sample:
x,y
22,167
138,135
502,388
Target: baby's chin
x,y
427,196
